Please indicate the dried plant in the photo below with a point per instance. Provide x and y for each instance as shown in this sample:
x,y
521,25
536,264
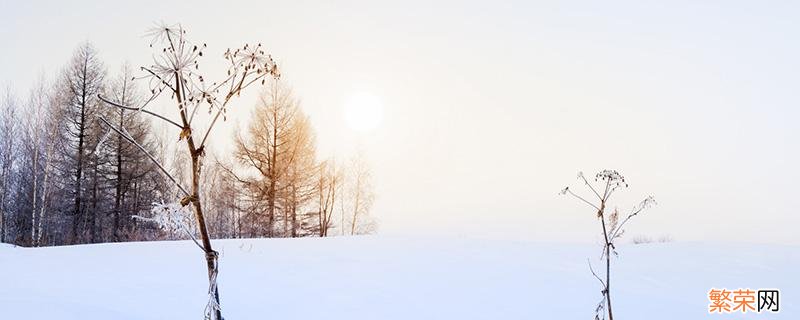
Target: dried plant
x,y
176,72
610,181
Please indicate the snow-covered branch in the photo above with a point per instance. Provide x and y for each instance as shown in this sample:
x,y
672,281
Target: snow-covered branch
x,y
127,137
139,110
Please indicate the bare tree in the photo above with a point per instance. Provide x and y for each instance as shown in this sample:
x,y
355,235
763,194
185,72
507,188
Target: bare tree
x,y
8,155
360,195
176,72
299,188
609,181
329,177
225,209
30,137
28,158
41,143
83,81
278,153
133,177
266,150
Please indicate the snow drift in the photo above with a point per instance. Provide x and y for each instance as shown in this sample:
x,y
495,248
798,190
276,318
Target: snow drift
x,y
386,278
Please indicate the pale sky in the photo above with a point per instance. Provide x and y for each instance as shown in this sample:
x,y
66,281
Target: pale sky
x,y
490,108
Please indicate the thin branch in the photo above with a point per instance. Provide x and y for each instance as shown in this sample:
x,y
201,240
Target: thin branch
x,y
140,109
582,199
235,90
160,79
229,171
616,231
590,186
211,126
605,193
595,274
152,158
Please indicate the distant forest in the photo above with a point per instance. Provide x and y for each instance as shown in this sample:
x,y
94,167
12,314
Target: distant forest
x,y
66,177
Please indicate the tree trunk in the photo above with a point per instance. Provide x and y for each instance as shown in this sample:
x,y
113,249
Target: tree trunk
x,y
92,218
35,186
294,211
38,239
47,164
118,191
3,210
356,208
79,165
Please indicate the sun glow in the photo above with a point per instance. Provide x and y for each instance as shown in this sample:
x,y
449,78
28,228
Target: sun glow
x,y
363,112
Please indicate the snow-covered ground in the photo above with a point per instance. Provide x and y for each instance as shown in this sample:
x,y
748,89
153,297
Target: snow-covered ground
x,y
386,278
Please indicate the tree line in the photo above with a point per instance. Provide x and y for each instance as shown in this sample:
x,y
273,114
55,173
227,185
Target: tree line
x,y
66,178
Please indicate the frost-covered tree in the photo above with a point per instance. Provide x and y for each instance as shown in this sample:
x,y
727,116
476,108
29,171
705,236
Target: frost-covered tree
x,y
358,197
133,178
225,201
41,140
8,156
608,182
28,177
175,74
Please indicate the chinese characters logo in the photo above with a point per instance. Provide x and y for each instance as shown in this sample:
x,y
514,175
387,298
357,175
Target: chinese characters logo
x,y
743,300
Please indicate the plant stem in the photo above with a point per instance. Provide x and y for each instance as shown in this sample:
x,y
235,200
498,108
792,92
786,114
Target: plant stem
x,y
608,258
195,199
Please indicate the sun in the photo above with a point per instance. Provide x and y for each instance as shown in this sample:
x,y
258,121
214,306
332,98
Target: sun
x,y
363,112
